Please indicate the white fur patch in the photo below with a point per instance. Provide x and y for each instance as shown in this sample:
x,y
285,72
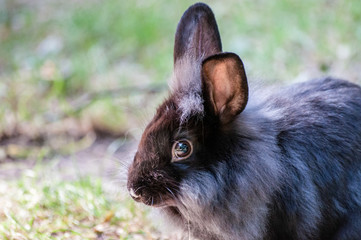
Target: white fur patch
x,y
186,86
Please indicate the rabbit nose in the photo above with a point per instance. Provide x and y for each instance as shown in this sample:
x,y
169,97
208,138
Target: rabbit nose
x,y
133,194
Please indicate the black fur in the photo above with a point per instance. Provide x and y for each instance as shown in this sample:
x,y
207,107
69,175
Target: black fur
x,y
288,167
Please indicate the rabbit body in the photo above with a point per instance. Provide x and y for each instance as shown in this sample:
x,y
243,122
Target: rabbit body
x,y
278,164
319,139
289,167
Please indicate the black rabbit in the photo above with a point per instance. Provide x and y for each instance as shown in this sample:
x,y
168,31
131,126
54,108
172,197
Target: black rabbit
x,y
283,164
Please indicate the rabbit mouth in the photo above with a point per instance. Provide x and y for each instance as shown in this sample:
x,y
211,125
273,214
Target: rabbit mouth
x,y
166,203
153,200
158,202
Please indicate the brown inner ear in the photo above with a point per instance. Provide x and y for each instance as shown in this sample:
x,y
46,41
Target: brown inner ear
x,y
226,85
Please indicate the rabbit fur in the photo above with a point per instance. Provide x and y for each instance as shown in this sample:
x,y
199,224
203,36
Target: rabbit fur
x,y
280,163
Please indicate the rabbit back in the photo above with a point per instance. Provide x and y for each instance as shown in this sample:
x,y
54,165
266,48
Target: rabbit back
x,y
319,138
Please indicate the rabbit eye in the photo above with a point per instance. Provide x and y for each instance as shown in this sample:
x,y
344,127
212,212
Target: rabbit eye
x,y
182,149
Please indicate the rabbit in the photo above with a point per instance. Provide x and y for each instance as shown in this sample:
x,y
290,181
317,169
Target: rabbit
x,y
273,164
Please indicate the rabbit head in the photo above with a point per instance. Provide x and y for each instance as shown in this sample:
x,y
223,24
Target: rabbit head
x,y
190,156
208,89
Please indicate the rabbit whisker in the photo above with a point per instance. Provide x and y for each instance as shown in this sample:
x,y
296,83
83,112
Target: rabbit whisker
x,y
160,196
170,192
135,191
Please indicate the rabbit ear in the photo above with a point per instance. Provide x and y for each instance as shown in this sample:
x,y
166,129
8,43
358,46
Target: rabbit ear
x,y
197,34
225,87
196,38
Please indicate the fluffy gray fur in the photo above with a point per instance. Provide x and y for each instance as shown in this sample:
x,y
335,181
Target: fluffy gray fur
x,y
320,121
186,86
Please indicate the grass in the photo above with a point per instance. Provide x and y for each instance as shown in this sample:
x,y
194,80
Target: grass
x,y
72,68
39,208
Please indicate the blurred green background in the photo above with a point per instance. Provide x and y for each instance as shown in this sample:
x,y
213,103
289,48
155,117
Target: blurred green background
x,y
79,80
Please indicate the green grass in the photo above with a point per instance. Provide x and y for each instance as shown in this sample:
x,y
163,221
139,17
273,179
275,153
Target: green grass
x,y
68,68
35,207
